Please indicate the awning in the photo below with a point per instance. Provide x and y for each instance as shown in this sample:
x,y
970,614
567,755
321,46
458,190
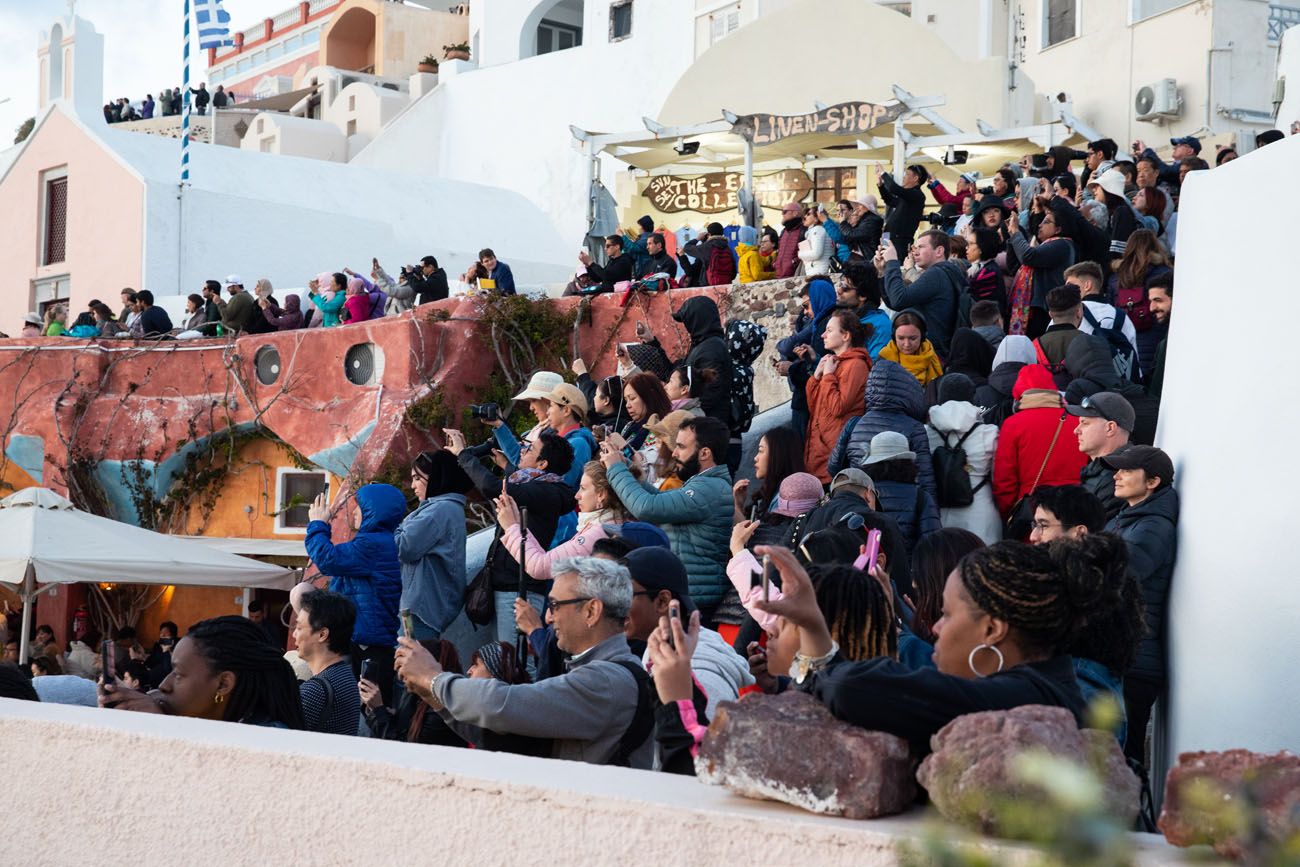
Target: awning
x,y
253,547
279,102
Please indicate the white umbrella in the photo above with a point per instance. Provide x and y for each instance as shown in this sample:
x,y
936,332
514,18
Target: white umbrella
x,y
44,539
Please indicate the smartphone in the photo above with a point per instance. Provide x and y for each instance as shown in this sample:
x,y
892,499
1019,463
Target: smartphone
x,y
623,348
767,577
106,661
326,490
886,237
872,554
1038,161
368,670
408,623
674,613
753,513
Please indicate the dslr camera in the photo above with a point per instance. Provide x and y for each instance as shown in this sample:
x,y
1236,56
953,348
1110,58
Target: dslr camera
x,y
485,411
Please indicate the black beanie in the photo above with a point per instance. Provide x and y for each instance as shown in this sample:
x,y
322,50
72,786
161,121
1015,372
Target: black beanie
x,y
956,386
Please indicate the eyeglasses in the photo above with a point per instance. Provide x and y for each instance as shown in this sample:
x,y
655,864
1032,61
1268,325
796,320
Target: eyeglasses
x,y
553,604
1044,526
1089,403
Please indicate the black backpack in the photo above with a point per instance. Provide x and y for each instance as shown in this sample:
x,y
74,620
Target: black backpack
x,y
952,473
1122,354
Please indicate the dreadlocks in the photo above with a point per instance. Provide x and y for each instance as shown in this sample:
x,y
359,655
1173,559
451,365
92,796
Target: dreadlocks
x,y
265,688
857,611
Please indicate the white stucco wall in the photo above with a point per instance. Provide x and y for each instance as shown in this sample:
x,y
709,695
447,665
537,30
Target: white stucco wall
x,y
1288,67
273,133
1234,649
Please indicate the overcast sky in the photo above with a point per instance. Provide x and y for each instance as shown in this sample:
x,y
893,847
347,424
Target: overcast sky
x,y
142,46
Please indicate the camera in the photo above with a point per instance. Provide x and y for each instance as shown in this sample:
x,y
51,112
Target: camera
x,y
485,411
986,191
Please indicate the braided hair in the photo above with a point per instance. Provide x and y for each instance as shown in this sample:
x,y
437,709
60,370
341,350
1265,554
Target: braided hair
x,y
857,611
265,687
1047,593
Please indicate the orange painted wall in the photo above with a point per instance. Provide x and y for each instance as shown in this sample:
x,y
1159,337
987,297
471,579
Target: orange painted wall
x,y
186,606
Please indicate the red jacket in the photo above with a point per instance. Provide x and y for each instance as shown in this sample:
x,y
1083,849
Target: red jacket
x,y
1025,437
832,401
787,252
943,197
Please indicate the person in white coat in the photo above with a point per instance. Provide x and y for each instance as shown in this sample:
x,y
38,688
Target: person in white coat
x,y
816,249
956,417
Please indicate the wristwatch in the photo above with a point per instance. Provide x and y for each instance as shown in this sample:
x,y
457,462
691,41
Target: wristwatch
x,y
802,665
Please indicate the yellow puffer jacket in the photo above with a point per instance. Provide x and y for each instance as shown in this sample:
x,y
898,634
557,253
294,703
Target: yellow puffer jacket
x,y
754,266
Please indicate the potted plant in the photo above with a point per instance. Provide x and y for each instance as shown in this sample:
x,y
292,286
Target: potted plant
x,y
428,64
456,51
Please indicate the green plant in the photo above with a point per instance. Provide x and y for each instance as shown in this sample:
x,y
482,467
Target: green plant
x,y
430,60
455,47
429,413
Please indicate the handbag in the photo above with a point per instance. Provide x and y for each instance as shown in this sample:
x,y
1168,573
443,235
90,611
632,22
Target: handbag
x,y
1021,519
480,604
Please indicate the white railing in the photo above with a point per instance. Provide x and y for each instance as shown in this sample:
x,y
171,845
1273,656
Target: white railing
x,y
314,6
288,18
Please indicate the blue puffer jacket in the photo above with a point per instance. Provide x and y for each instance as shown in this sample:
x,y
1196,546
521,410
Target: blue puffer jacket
x,y
894,402
366,569
697,519
916,514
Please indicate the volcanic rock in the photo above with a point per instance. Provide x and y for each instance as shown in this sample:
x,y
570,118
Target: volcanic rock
x,y
1235,801
789,748
969,775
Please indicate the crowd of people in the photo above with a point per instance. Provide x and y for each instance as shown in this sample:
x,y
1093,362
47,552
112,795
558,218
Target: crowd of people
x,y
170,101
964,512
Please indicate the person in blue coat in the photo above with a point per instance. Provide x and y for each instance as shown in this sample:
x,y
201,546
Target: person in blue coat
x,y
431,545
366,570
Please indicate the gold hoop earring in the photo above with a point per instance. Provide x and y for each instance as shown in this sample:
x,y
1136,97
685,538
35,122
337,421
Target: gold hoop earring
x,y
218,698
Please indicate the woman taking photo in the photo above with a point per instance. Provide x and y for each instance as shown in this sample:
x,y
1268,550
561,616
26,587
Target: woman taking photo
x,y
910,348
837,388
816,248
986,284
643,396
1010,614
1145,258
779,455
597,507
431,545
223,669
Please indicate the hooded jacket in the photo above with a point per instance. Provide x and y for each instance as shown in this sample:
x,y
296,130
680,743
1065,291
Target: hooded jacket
x,y
366,570
905,206
1013,353
431,547
754,266
832,400
894,402
1089,364
971,355
949,422
1026,440
934,295
288,318
1099,479
1150,530
719,670
881,330
708,358
697,519
864,238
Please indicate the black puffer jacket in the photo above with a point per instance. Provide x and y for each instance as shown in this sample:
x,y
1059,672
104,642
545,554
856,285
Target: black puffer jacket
x,y
1099,479
708,359
894,402
1150,531
864,238
1089,363
994,396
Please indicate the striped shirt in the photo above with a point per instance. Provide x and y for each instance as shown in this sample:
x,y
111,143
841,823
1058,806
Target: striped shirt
x,y
336,714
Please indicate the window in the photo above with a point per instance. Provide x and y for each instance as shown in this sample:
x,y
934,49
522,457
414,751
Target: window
x,y
831,185
352,127
722,23
1060,21
292,43
1146,8
311,37
258,58
554,36
274,51
620,20
295,490
56,221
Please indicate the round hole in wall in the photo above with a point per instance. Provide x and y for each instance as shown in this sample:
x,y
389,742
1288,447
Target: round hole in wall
x,y
267,364
359,364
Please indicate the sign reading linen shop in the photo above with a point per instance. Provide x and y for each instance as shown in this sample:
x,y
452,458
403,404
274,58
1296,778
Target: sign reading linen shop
x,y
846,118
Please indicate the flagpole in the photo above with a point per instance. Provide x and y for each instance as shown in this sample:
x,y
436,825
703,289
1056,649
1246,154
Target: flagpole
x,y
185,96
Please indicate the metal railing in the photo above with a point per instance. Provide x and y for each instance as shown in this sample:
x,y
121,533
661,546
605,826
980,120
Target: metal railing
x,y
1281,19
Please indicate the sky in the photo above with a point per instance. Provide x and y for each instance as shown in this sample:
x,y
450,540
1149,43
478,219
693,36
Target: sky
x,y
142,46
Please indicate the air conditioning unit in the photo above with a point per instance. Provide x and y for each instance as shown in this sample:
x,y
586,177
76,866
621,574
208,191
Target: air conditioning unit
x,y
1158,100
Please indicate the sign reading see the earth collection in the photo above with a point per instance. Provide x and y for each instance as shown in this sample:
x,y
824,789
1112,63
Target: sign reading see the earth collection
x,y
846,118
716,193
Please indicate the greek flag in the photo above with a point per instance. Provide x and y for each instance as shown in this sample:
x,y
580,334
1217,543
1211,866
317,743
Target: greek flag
x,y
214,24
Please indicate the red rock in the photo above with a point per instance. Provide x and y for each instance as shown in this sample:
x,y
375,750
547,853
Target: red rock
x,y
760,748
1236,801
969,775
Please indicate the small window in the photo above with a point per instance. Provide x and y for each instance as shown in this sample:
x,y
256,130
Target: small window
x,y
831,185
723,23
1146,8
554,36
258,58
274,51
1060,21
295,490
352,102
311,37
292,43
620,20
56,221
352,126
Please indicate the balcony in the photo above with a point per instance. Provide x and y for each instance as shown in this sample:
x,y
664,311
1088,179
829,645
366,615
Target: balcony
x,y
1281,19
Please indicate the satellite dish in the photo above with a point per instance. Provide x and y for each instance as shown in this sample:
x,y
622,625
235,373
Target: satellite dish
x,y
1145,100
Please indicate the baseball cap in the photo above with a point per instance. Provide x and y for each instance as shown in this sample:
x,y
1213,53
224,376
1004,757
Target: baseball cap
x,y
234,280
1149,459
568,395
852,478
34,319
658,569
540,386
1106,405
1190,140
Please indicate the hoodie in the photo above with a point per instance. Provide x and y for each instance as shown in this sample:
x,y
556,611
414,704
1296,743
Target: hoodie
x,y
1089,363
1027,457
720,671
366,570
708,358
288,318
754,266
949,422
934,295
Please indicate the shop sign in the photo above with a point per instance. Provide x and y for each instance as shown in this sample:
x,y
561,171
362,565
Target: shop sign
x,y
715,193
846,118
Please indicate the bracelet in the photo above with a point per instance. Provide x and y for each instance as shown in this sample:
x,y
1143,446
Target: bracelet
x,y
802,666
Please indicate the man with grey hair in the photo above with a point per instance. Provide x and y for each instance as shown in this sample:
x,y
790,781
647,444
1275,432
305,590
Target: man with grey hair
x,y
599,711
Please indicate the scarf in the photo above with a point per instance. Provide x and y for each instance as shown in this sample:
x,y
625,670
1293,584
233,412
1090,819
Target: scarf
x,y
924,365
585,519
1022,292
531,474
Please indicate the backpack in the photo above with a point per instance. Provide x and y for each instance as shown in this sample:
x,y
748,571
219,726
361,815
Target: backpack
x,y
952,473
1135,303
1122,353
720,270
643,718
745,341
1060,373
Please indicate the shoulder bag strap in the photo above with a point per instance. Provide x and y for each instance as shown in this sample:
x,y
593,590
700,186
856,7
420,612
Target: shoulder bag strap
x,y
1047,457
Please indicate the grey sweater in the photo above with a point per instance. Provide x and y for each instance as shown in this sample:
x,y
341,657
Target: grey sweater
x,y
585,711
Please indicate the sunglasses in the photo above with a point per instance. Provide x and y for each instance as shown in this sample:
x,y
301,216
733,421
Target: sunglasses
x,y
1089,403
552,605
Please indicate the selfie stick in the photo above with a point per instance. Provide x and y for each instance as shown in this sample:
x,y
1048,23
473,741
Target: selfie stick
x,y
521,641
